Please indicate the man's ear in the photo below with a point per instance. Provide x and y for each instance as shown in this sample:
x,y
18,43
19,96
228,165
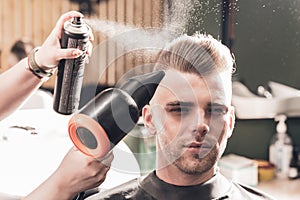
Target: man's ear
x,y
148,119
231,120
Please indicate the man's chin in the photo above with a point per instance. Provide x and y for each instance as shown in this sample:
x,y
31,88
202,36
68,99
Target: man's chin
x,y
190,168
193,163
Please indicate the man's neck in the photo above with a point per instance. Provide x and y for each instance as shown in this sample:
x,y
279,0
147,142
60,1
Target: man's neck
x,y
172,175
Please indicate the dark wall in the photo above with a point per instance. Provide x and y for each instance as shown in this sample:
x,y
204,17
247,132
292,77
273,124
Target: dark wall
x,y
267,48
267,43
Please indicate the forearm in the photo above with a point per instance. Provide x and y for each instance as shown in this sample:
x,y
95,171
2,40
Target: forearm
x,y
16,84
51,189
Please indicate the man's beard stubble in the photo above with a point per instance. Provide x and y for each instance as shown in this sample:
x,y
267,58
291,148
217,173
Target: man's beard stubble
x,y
199,163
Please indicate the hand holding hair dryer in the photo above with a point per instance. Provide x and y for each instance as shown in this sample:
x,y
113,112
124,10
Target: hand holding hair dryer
x,y
110,115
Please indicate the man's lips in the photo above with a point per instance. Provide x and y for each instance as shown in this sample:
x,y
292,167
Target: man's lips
x,y
196,146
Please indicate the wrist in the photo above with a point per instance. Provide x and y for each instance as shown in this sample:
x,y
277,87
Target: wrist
x,y
60,187
41,72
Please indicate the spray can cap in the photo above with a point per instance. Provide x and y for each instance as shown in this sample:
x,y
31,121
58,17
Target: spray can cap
x,y
77,20
77,26
281,125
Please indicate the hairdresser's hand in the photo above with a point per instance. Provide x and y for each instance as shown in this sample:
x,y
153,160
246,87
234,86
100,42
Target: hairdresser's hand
x,y
75,174
78,172
50,52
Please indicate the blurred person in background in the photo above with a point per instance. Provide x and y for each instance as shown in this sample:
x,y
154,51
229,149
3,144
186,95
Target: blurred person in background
x,y
19,50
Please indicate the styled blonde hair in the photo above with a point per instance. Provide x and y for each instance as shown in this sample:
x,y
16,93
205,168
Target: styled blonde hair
x,y
200,54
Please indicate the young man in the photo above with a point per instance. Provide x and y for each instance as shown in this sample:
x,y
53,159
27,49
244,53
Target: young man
x,y
76,172
192,118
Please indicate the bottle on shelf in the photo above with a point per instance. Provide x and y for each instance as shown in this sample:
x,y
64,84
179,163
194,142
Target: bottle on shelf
x,y
281,147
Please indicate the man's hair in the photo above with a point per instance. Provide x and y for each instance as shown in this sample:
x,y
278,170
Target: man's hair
x,y
200,54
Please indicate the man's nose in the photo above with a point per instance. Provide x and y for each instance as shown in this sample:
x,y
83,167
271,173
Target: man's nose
x,y
201,126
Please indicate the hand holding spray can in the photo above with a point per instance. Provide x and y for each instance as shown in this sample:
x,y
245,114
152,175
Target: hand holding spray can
x,y
70,71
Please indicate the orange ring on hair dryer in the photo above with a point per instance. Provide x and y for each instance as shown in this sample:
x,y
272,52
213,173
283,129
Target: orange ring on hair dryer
x,y
87,135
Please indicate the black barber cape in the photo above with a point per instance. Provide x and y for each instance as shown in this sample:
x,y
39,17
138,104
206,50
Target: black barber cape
x,y
151,188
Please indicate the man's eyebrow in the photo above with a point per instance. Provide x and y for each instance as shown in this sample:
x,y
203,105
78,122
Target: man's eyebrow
x,y
180,103
216,104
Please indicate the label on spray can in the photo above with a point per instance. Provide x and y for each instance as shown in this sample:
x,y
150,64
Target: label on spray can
x,y
70,71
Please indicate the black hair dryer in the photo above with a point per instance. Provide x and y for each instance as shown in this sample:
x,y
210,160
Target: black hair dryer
x,y
110,115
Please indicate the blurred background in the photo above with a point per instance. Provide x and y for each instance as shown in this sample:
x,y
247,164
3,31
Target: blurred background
x,y
262,34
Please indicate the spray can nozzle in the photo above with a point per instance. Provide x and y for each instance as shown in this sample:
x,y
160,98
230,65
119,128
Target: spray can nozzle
x,y
77,20
113,113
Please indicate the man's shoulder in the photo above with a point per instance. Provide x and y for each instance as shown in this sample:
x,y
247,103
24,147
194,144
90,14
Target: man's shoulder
x,y
129,190
251,192
142,188
124,191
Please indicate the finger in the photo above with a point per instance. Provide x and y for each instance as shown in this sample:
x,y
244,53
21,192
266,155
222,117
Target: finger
x,y
89,49
107,160
68,53
65,17
91,36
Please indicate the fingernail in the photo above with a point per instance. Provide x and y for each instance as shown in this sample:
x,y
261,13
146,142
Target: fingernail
x,y
77,52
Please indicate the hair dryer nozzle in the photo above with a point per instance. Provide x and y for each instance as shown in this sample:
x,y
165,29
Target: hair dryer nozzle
x,y
113,113
88,136
141,88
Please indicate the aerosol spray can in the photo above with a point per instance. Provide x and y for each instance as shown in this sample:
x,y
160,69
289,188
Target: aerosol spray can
x,y
70,71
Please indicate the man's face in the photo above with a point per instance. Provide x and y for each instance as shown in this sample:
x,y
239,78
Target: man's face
x,y
192,118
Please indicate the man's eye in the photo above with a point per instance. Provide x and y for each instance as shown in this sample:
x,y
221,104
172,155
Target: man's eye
x,y
217,110
181,110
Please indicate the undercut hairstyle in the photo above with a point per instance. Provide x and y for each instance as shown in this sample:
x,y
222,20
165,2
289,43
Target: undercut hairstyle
x,y
199,54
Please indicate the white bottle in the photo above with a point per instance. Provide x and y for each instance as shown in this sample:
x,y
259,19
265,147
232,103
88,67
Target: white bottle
x,y
280,152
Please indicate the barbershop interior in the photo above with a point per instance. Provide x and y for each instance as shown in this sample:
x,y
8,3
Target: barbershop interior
x,y
263,37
